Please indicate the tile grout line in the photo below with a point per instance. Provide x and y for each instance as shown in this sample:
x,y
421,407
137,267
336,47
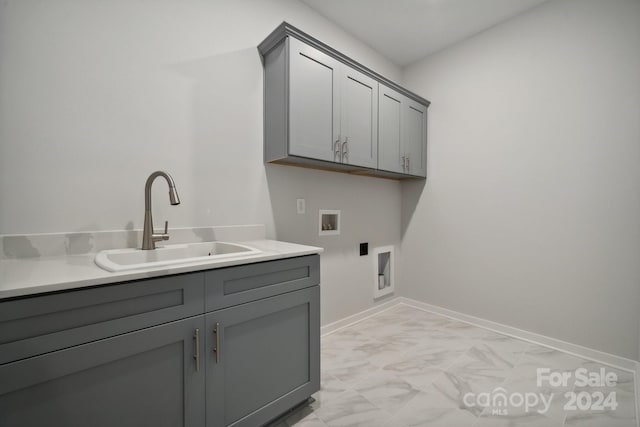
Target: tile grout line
x,y
635,372
416,304
400,301
453,332
372,337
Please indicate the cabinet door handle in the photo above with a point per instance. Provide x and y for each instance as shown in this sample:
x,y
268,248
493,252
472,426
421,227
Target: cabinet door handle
x,y
196,356
403,162
337,152
216,349
408,163
345,150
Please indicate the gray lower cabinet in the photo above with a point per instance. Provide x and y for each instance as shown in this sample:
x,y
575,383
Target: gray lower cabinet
x,y
235,346
262,358
359,119
143,378
46,323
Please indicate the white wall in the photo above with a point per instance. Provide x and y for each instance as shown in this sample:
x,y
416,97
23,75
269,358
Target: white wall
x,y
531,211
95,95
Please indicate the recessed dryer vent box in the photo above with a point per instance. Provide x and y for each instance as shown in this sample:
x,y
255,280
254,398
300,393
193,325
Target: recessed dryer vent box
x,y
329,222
384,271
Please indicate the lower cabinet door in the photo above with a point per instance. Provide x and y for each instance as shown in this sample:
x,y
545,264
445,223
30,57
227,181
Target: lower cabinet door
x,y
263,358
149,377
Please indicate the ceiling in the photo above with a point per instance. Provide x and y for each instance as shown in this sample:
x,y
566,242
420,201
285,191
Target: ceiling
x,y
405,31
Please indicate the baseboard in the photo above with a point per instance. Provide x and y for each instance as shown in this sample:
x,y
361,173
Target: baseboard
x,y
612,360
636,377
355,318
574,349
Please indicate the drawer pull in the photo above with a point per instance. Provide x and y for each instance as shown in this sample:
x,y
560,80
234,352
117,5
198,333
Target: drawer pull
x,y
216,349
196,356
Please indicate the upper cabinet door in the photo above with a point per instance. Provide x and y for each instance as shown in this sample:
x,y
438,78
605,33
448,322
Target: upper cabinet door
x,y
390,155
414,139
359,119
313,103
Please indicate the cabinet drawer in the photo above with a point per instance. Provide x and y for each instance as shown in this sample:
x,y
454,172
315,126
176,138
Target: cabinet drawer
x,y
40,324
226,287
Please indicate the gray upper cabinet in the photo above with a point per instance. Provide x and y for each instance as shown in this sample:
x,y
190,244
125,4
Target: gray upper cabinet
x,y
324,110
332,109
402,140
414,124
313,103
390,150
359,119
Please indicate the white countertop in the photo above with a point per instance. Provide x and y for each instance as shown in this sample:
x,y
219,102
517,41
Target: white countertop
x,y
28,276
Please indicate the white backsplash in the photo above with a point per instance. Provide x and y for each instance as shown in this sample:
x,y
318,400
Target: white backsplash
x,y
78,243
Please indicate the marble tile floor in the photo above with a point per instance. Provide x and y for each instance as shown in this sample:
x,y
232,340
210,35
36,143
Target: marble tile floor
x,y
407,367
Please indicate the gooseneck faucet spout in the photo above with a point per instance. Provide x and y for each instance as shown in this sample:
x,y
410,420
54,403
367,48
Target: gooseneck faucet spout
x,y
149,238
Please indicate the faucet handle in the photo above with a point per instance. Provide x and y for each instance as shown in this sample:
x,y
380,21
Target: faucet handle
x,y
165,235
162,236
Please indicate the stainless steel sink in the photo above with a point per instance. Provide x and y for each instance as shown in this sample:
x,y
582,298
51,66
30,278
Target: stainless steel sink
x,y
168,255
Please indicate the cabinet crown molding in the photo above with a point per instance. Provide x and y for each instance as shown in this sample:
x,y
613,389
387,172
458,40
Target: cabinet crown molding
x,y
285,29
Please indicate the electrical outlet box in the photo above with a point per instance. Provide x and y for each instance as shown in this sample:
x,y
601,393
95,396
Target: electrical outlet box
x,y
301,207
364,249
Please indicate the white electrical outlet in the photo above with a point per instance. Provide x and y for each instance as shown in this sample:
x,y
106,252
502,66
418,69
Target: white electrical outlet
x,y
300,206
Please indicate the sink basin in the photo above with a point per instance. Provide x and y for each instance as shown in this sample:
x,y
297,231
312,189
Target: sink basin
x,y
167,255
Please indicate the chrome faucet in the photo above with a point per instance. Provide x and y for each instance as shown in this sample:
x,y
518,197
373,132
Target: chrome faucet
x,y
149,238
